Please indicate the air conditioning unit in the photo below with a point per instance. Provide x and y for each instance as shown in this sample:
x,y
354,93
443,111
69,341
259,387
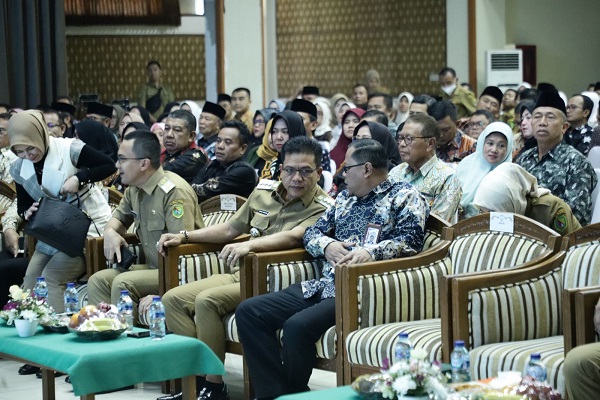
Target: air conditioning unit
x,y
504,68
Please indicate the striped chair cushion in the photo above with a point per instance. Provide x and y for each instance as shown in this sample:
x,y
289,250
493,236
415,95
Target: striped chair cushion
x,y
527,310
282,275
231,332
431,238
492,250
370,346
325,345
217,217
488,360
582,265
194,267
403,295
82,294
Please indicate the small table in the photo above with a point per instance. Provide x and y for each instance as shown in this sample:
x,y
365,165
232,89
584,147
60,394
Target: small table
x,y
98,366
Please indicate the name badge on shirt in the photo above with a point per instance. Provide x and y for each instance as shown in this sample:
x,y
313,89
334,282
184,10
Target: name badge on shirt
x,y
265,184
372,234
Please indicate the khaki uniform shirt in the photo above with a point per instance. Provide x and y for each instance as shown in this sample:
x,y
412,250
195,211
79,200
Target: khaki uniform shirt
x,y
553,212
247,119
266,212
463,99
166,203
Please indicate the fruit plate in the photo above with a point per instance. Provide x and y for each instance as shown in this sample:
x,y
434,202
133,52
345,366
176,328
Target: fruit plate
x,y
98,335
56,323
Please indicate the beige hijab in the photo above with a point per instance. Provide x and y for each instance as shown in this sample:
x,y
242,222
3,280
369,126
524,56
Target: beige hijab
x,y
28,128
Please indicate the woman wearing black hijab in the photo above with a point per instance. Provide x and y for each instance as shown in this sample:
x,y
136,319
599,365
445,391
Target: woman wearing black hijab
x,y
98,136
379,132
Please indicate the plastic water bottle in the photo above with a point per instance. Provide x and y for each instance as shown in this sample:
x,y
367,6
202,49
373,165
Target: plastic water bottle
x,y
460,363
535,368
403,348
125,307
71,300
41,289
157,319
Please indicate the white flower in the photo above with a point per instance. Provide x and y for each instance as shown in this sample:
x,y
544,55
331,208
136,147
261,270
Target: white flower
x,y
17,293
28,315
418,353
403,384
437,388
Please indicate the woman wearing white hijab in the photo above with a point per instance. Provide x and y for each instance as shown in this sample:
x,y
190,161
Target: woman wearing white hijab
x,y
323,130
509,188
195,109
403,104
593,119
494,147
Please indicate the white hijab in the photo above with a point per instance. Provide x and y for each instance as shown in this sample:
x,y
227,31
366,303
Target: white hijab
x,y
474,168
325,125
401,117
506,188
196,111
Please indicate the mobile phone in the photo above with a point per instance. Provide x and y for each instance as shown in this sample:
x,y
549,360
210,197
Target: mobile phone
x,y
139,334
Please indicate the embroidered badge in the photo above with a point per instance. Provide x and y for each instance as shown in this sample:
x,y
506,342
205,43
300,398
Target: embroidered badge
x,y
177,208
560,221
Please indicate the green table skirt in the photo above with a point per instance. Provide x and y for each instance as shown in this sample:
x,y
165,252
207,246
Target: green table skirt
x,y
96,366
339,393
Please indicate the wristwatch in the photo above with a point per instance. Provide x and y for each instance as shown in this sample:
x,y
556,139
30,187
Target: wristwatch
x,y
186,237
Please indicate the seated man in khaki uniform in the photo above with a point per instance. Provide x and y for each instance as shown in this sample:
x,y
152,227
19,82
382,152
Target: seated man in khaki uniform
x,y
275,215
157,202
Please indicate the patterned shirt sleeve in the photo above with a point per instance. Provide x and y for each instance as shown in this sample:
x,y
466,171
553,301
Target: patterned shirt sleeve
x,y
318,236
447,201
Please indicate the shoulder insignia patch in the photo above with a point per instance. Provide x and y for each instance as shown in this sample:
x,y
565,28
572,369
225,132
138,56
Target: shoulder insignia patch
x,y
166,185
177,208
196,155
560,221
325,200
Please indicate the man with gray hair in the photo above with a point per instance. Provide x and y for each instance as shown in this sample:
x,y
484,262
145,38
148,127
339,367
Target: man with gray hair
x,y
437,182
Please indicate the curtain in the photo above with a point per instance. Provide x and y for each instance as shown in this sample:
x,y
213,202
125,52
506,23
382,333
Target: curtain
x,y
33,66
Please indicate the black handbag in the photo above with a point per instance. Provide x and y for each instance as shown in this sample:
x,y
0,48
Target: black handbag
x,y
154,102
62,225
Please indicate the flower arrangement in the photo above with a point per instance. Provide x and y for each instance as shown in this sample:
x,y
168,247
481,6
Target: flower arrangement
x,y
414,378
24,305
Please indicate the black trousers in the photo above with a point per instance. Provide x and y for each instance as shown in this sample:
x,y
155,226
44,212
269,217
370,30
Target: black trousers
x,y
12,271
275,371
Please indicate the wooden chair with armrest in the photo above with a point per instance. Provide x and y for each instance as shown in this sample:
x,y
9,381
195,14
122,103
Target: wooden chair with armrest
x,y
410,294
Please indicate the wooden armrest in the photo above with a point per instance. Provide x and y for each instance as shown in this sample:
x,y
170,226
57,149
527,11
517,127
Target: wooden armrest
x,y
585,304
94,248
461,285
168,265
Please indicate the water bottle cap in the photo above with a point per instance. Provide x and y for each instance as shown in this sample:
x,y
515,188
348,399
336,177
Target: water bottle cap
x,y
403,335
40,279
124,292
156,298
71,284
459,342
536,356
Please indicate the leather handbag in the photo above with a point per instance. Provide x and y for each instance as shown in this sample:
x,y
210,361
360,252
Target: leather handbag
x,y
62,225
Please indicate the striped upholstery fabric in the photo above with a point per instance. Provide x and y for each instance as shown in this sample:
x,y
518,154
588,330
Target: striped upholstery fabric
x,y
217,217
231,332
431,238
492,250
194,267
282,275
82,293
370,346
403,295
528,310
582,265
488,360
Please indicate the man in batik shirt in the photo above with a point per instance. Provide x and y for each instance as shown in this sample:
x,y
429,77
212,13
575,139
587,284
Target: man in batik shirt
x,y
373,219
557,165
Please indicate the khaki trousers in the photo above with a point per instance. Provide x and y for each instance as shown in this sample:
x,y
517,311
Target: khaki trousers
x,y
106,285
582,372
197,309
57,270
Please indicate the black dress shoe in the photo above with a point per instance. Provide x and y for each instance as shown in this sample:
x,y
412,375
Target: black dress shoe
x,y
177,396
209,392
28,370
56,374
68,379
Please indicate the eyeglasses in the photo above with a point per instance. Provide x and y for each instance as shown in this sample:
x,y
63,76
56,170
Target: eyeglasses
x,y
572,107
347,167
409,139
476,124
51,125
304,172
3,131
93,118
120,159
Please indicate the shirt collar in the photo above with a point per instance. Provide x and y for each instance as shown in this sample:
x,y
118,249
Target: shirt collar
x,y
280,193
152,183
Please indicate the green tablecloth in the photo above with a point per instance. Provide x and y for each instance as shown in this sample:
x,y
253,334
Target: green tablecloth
x,y
99,366
339,393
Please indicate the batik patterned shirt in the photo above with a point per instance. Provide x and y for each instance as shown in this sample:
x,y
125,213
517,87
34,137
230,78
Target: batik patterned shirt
x,y
437,182
397,208
457,149
580,138
568,175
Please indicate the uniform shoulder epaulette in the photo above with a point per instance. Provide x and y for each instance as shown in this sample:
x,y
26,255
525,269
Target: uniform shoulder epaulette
x,y
166,185
267,184
325,200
